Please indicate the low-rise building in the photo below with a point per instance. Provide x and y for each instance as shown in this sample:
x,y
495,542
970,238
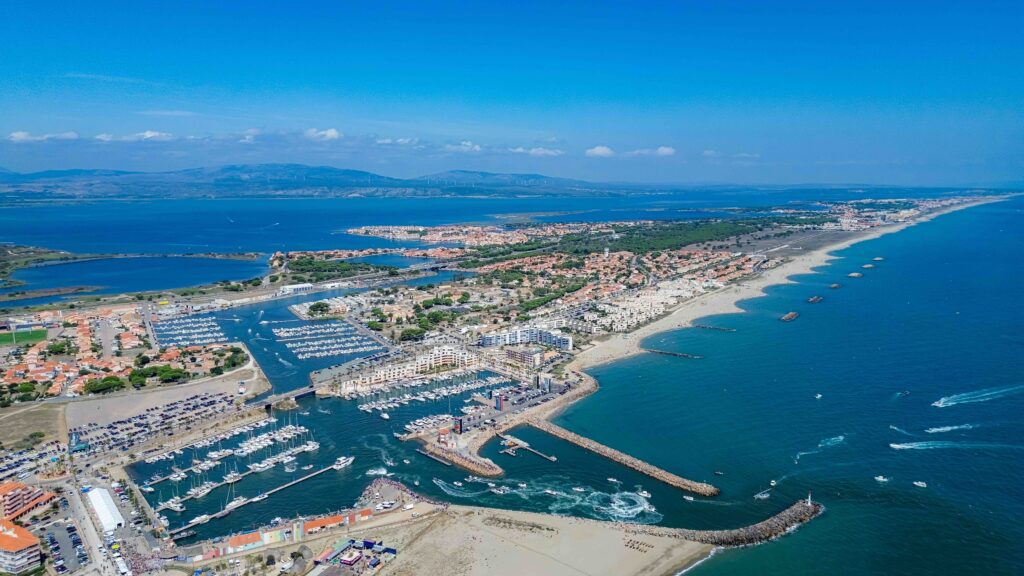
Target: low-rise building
x,y
19,549
17,499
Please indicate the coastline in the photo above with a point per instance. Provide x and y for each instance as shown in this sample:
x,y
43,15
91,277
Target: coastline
x,y
724,301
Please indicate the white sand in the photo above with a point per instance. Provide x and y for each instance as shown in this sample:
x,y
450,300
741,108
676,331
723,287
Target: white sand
x,y
467,541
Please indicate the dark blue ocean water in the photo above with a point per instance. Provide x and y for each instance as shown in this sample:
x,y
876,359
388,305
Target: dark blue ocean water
x,y
919,365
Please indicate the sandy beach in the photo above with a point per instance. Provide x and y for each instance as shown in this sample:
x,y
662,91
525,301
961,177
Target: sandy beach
x,y
481,541
723,301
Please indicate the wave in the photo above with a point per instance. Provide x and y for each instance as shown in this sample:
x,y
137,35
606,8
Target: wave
x,y
941,429
977,396
456,492
940,444
824,443
900,430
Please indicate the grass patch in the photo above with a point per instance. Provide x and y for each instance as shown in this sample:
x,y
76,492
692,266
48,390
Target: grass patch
x,y
23,337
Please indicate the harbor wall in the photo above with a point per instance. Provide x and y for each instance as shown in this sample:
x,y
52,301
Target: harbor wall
x,y
669,478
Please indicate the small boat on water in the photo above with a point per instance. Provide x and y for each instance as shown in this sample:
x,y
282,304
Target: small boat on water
x,y
762,495
521,484
835,286
613,480
500,490
815,299
881,479
491,484
644,494
201,519
259,498
855,275
550,492
772,483
406,461
307,467
579,489
790,316
688,498
920,484
385,415
457,483
719,473
817,396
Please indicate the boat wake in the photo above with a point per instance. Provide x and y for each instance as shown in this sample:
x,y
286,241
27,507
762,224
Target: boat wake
x,y
900,430
939,444
381,450
456,492
617,507
285,362
822,445
382,471
941,429
978,396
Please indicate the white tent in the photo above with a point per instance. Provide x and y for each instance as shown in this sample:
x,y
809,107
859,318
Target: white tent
x,y
110,517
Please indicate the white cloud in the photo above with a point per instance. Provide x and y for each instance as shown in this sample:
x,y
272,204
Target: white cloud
x,y
710,154
536,151
600,152
146,135
249,136
659,151
747,156
398,141
466,147
21,136
322,135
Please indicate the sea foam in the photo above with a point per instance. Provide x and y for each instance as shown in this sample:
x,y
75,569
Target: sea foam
x,y
941,429
939,444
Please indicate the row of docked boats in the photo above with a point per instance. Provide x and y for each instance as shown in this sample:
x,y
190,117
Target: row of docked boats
x,y
432,394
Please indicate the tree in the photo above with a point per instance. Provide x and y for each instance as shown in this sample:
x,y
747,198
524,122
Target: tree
x,y
319,308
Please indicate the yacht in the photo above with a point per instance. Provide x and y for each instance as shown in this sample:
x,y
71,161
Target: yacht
x,y
881,479
343,462
232,477
385,416
920,484
259,498
236,503
201,519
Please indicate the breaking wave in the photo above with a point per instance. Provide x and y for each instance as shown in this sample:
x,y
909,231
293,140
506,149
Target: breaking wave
x,y
977,396
941,429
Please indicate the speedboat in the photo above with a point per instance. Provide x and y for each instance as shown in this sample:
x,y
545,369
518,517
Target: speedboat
x,y
521,484
457,483
343,461
550,492
406,461
613,480
644,494
762,495
817,396
920,484
881,479
579,489
385,415
259,498
688,498
772,483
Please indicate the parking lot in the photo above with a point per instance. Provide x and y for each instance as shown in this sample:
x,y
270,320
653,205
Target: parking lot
x,y
67,550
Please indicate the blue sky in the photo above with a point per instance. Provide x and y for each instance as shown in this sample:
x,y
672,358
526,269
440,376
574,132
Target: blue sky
x,y
687,92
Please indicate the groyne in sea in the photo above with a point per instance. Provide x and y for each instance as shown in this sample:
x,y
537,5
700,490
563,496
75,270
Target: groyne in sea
x,y
800,512
665,476
670,353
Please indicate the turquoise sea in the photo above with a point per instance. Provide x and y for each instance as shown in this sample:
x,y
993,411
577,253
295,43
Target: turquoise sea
x,y
919,366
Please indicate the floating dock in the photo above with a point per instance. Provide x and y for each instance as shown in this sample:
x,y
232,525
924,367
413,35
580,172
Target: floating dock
x,y
626,460
223,513
514,444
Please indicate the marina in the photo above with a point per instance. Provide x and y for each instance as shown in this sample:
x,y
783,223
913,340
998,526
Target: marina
x,y
188,331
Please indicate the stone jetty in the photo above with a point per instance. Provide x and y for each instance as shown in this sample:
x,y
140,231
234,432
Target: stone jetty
x,y
669,478
801,511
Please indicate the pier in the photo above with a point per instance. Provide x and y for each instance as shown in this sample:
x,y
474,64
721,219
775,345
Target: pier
x,y
223,513
514,444
800,512
626,460
670,353
433,457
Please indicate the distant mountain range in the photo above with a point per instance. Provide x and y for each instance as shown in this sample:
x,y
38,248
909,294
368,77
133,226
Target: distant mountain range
x,y
290,180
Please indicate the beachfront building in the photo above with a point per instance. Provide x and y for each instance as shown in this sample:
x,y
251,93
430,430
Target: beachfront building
x,y
529,356
527,335
439,357
17,499
19,549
